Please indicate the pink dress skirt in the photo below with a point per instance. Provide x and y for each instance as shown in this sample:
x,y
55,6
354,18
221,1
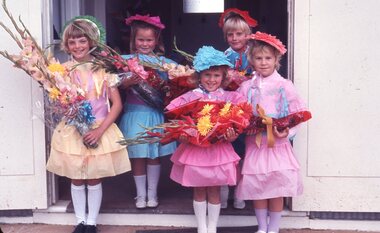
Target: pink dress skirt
x,y
269,172
195,166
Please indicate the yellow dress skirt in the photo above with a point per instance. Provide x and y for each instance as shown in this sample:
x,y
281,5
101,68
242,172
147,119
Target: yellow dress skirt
x,y
71,158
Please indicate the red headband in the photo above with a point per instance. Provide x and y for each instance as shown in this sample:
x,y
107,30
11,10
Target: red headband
x,y
234,11
154,20
272,40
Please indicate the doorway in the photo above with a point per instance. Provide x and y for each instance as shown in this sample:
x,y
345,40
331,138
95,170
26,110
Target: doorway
x,y
191,30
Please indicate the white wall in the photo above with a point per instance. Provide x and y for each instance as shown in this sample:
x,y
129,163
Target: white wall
x,y
336,69
22,135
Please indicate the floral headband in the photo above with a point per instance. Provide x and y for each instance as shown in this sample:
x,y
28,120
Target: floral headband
x,y
269,39
234,11
154,20
207,57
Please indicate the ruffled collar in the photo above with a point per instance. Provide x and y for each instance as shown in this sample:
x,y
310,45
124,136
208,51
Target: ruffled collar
x,y
217,92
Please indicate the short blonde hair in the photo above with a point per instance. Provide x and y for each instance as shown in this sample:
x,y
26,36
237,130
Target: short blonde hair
x,y
80,28
255,46
236,23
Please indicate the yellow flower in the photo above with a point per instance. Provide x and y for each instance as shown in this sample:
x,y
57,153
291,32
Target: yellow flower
x,y
56,67
204,125
206,109
225,110
54,93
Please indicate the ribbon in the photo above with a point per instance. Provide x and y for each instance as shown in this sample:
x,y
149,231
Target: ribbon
x,y
268,121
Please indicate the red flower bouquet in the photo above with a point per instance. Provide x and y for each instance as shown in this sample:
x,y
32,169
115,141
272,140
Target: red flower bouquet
x,y
291,120
234,79
181,80
264,123
151,89
202,122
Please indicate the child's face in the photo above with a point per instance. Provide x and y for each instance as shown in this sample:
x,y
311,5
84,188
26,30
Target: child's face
x,y
264,62
237,40
211,79
79,48
145,41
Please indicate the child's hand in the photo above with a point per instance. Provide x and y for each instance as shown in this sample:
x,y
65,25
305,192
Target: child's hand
x,y
250,132
230,135
183,138
93,136
280,134
134,79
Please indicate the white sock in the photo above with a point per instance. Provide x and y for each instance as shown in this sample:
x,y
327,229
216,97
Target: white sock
x,y
140,182
78,195
153,175
261,216
95,193
213,216
224,191
200,210
274,221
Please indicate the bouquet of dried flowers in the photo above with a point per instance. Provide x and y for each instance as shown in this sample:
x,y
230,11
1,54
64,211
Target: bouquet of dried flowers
x,y
66,99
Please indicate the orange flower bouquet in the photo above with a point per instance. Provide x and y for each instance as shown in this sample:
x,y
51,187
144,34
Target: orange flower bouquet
x,y
202,122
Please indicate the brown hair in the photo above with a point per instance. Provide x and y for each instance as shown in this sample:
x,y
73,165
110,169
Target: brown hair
x,y
255,46
80,28
136,25
223,68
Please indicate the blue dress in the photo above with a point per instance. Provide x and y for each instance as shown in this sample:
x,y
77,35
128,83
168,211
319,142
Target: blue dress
x,y
241,64
137,113
240,61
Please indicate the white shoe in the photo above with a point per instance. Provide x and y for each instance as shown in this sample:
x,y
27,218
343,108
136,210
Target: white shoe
x,y
223,205
153,203
140,202
239,204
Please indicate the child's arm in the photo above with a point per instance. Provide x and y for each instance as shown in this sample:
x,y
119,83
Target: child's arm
x,y
130,81
94,135
280,134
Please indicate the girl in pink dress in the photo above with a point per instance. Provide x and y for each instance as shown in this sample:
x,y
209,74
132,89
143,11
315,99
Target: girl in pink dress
x,y
207,168
269,172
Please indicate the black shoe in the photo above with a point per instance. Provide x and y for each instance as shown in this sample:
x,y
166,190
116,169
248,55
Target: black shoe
x,y
80,228
90,229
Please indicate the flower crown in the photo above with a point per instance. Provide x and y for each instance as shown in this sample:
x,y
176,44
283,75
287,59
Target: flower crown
x,y
154,20
234,11
207,57
269,39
